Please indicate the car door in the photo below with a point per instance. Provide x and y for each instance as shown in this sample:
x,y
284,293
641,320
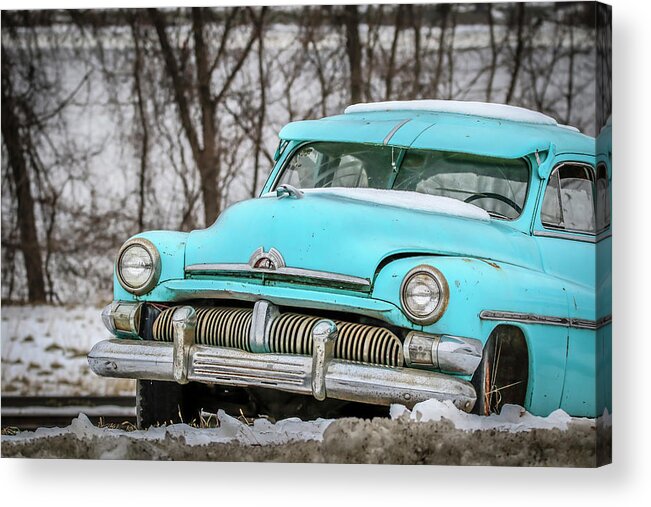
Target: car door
x,y
568,233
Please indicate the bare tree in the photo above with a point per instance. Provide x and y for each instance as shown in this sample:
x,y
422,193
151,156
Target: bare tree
x,y
13,126
354,51
388,79
189,101
142,116
519,50
202,136
494,53
444,12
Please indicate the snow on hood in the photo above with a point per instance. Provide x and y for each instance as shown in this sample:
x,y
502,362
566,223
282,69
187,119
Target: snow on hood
x,y
483,109
408,200
512,418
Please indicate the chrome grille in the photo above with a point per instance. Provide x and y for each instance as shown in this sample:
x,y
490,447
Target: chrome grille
x,y
220,327
289,333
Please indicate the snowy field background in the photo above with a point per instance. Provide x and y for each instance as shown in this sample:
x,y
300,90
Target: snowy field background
x,y
44,352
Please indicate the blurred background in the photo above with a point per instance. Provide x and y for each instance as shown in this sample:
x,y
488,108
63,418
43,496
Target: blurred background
x,y
118,121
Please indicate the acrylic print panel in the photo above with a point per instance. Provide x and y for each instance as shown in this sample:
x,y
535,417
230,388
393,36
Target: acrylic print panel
x,y
338,234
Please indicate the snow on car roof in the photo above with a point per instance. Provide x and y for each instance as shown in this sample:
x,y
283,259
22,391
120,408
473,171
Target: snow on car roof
x,y
483,109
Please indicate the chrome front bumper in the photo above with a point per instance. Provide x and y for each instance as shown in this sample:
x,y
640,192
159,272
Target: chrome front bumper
x,y
319,375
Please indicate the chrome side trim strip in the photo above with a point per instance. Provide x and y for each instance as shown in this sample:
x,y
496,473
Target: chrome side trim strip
x,y
573,237
305,274
566,235
394,130
531,318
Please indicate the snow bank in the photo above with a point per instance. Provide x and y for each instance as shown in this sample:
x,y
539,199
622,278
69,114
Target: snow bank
x,y
408,200
44,351
512,418
483,109
228,430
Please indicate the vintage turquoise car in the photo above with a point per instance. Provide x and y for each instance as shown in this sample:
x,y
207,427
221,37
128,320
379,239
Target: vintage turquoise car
x,y
398,252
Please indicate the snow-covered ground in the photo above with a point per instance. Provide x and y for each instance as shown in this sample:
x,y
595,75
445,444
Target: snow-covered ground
x,y
431,433
227,430
513,419
44,352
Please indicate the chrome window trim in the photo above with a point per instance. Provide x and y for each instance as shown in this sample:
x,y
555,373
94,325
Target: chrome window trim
x,y
394,130
531,318
307,274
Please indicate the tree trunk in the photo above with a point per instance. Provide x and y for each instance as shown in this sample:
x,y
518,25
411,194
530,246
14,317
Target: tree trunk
x,y
444,10
493,64
388,80
262,80
26,220
415,13
354,52
144,127
517,58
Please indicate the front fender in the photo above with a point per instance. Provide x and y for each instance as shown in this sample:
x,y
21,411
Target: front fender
x,y
477,285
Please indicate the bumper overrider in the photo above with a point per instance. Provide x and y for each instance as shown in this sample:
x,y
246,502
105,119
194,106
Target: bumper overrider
x,y
320,375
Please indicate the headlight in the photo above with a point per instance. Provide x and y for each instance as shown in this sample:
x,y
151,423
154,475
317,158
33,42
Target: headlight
x,y
138,266
424,294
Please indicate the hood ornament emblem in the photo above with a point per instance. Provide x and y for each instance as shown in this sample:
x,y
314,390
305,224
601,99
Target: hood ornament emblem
x,y
270,261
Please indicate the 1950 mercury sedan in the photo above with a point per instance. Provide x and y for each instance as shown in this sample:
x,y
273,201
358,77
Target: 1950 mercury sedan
x,y
398,252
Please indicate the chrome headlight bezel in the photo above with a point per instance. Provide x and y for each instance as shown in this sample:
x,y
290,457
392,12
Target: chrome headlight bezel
x,y
152,280
444,297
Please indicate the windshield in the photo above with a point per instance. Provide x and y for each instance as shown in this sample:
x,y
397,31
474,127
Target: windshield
x,y
497,185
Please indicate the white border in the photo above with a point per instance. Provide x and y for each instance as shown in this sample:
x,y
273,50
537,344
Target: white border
x,y
627,482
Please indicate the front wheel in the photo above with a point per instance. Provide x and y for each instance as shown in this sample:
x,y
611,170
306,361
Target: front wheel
x,y
159,402
502,375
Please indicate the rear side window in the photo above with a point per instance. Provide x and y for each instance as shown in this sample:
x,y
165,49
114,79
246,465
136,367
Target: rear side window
x,y
602,203
569,202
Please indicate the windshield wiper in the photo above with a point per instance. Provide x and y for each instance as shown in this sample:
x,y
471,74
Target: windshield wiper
x,y
495,214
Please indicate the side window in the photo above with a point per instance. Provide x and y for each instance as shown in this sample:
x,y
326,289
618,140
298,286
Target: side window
x,y
602,202
569,201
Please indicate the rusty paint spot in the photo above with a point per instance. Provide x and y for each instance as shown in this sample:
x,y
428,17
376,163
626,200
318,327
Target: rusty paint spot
x,y
492,264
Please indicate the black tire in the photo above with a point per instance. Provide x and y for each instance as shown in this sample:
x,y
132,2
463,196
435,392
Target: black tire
x,y
481,379
503,372
159,403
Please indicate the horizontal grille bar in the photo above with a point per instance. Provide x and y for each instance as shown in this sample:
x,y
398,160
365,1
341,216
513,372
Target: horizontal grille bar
x,y
229,368
296,275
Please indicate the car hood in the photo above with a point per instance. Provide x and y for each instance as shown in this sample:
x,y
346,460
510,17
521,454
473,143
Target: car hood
x,y
350,232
